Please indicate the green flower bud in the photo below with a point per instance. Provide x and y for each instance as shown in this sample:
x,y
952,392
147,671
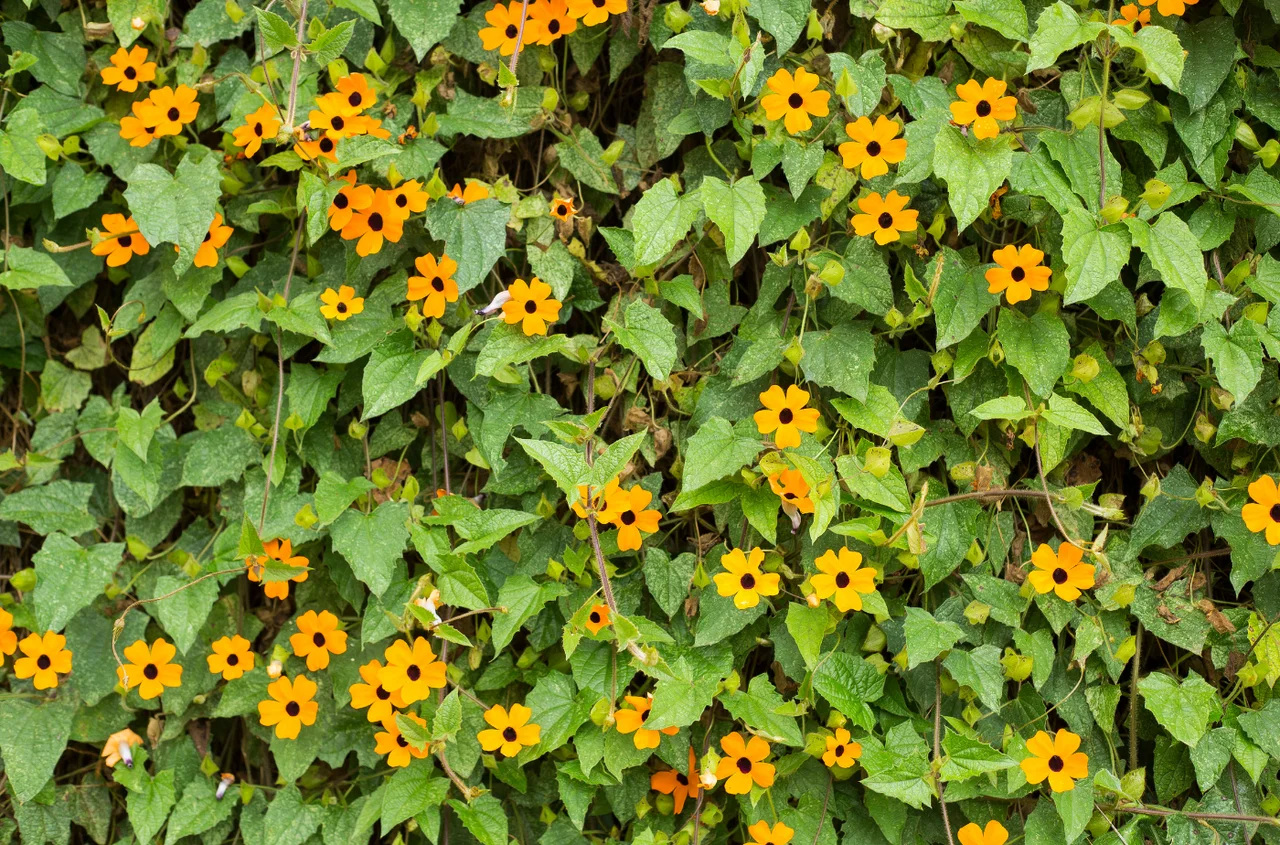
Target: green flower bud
x,y
977,612
24,580
877,461
1085,368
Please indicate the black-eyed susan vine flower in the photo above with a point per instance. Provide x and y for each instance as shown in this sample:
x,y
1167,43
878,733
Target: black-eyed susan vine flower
x,y
119,748
873,146
743,764
983,105
993,834
335,118
259,125
413,671
562,208
370,227
434,284
597,500
598,618
1018,272
172,109
531,306
398,750
8,637
1057,759
214,239
842,752
317,638
554,20
139,128
380,701
323,147
282,552
231,658
631,514
743,579
128,69
1062,572
349,199
1133,16
592,12
409,197
356,91
122,240
795,99
1170,8
884,217
150,668
473,192
681,786
509,731
842,576
763,833
1262,514
43,659
785,415
341,304
503,32
291,706
632,720
790,486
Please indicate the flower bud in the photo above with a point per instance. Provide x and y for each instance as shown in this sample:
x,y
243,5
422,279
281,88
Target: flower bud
x,y
24,580
877,461
1205,429
977,612
1246,136
1085,368
1156,193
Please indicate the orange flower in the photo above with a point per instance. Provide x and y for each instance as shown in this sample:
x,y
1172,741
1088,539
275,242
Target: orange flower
x,y
592,12
844,577
139,128
1170,8
413,672
173,109
787,414
1018,273
258,125
341,304
531,305
291,706
794,99
983,105
971,834
231,657
317,638
553,19
382,702
503,30
128,68
632,722
380,221
434,284
763,834
119,746
562,209
1263,513
1062,572
1131,15
509,731
393,744
350,199
8,639
743,764
312,150
409,198
743,579
1057,759
842,752
599,502
282,551
474,192
359,95
336,118
598,618
44,658
679,785
873,147
887,218
790,486
123,240
631,516
150,669
214,240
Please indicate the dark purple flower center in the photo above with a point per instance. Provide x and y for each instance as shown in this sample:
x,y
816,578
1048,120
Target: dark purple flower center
x,y
983,108
873,149
885,220
293,708
842,580
151,671
628,517
509,734
1018,274
744,765
785,416
1060,576
43,662
413,673
375,222
1055,763
748,581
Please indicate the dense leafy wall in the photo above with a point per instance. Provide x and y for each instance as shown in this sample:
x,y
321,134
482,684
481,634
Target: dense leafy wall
x,y
586,422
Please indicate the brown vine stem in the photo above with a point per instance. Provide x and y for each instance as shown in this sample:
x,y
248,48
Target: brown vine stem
x,y
826,799
937,747
1133,700
1035,432
989,494
1221,817
467,792
297,64
275,425
1102,116
515,54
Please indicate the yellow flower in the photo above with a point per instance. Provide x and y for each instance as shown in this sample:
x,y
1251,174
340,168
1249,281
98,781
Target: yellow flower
x,y
8,639
173,109
356,91
592,12
1057,758
139,128
873,147
382,702
553,19
323,147
531,305
794,99
843,576
336,118
994,834
562,209
1062,573
214,239
679,785
409,198
392,743
282,551
632,722
122,242
1018,273
434,284
886,218
743,579
119,746
44,658
412,671
983,105
341,304
631,516
150,669
317,638
128,68
509,732
258,126
350,199
1130,15
231,657
290,707
743,764
1171,8
763,834
787,414
599,501
598,618
790,486
1263,513
503,30
842,752
474,192
380,221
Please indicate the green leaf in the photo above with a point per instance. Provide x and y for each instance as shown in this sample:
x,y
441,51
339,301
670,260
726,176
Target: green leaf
x,y
927,637
1094,256
20,155
668,578
423,23
1236,357
57,506
32,738
485,818
928,18
334,495
1059,29
841,358
807,626
523,598
176,209
29,269
1003,408
69,577
973,170
474,235
850,685
1068,414
372,542
685,689
968,758
582,155
276,31
717,450
737,209
149,803
1174,253
650,336
330,44
660,220
63,388
390,377
290,820
1007,17
557,709
980,671
1038,348
761,708
961,300
1184,708
197,811
565,466
783,19
1075,808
